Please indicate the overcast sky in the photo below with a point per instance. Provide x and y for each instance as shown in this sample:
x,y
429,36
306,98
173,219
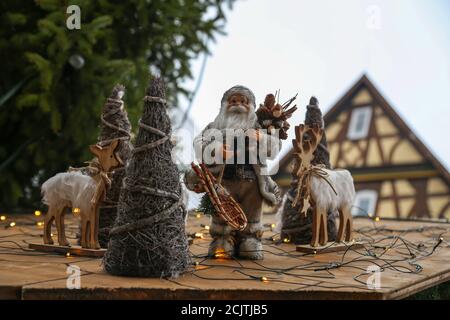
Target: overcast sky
x,y
322,47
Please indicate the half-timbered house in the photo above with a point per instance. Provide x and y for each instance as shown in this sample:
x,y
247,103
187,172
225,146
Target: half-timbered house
x,y
395,174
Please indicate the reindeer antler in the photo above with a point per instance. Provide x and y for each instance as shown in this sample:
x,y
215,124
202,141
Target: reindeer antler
x,y
107,160
305,143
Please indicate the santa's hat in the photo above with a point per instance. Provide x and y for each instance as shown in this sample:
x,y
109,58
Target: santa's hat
x,y
239,90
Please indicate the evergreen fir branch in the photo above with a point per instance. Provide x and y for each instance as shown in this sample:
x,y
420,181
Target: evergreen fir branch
x,y
206,206
117,42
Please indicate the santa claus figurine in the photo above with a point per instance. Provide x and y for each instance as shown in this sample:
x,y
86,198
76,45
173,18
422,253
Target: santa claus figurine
x,y
235,149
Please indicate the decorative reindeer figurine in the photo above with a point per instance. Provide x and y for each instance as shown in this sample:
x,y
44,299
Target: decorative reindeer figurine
x,y
83,193
322,189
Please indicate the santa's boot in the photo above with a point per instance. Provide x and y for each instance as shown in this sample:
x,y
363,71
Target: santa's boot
x,y
250,246
222,245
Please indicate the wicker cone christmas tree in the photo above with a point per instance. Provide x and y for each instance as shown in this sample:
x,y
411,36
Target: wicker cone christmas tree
x,y
148,238
114,124
297,227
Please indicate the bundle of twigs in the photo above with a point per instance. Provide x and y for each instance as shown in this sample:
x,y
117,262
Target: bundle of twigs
x,y
273,115
224,204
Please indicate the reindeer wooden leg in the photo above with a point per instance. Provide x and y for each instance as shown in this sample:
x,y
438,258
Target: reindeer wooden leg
x,y
59,211
348,225
342,223
62,240
315,228
87,232
323,235
83,241
94,229
48,220
345,225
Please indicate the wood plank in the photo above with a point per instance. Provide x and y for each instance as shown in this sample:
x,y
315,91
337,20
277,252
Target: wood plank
x,y
419,286
10,292
72,250
31,274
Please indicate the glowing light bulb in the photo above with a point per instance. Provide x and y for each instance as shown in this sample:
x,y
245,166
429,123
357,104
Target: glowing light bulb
x,y
314,252
220,253
207,227
286,240
377,219
273,225
2,218
198,215
40,223
76,211
37,213
12,224
198,235
264,279
67,254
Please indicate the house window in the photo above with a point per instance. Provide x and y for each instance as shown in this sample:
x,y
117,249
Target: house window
x,y
365,202
359,123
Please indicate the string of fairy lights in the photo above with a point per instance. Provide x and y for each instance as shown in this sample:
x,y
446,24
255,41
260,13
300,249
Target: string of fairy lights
x,y
387,248
407,251
37,213
12,223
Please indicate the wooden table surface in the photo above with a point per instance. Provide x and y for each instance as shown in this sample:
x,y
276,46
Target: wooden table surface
x,y
410,255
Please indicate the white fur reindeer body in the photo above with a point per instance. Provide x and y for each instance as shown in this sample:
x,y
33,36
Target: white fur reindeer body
x,y
75,190
324,195
323,189
71,189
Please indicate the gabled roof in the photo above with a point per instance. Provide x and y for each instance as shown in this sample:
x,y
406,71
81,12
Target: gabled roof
x,y
344,102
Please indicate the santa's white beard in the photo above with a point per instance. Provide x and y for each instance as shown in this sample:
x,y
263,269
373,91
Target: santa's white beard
x,y
234,118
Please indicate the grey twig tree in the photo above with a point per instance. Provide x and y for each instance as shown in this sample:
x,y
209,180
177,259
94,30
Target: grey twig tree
x,y
114,124
148,237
